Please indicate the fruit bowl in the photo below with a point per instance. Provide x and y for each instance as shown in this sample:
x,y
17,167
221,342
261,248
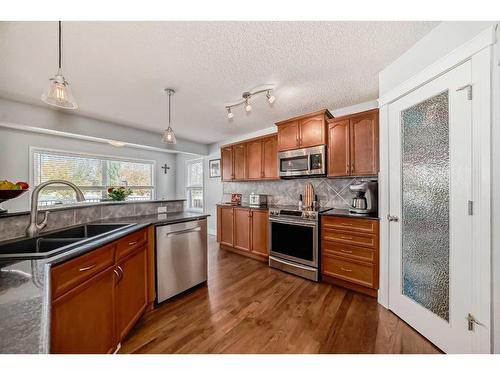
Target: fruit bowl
x,y
5,195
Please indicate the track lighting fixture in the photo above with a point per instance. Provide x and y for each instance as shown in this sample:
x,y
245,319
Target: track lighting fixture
x,y
247,95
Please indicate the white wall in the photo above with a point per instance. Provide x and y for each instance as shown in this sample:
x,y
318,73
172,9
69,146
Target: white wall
x,y
14,159
443,39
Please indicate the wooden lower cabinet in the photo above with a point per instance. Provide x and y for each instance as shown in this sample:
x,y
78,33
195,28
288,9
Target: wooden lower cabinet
x,y
249,228
350,253
83,319
131,291
93,312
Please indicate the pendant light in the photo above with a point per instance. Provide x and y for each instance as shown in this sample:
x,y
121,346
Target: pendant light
x,y
169,135
58,93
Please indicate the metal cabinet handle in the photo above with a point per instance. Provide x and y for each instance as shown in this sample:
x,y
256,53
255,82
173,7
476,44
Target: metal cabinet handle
x,y
87,268
117,273
132,243
346,251
345,269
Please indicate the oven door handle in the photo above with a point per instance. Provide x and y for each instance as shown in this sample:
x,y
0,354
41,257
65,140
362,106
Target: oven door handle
x,y
308,268
292,222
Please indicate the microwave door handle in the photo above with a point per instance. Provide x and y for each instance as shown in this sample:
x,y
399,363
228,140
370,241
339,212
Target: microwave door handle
x,y
309,163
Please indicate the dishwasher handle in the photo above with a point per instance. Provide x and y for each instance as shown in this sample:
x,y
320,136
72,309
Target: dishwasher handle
x,y
183,231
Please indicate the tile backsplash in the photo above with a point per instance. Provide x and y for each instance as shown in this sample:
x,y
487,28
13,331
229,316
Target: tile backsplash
x,y
15,226
332,192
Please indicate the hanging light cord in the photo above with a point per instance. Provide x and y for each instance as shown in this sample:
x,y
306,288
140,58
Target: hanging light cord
x,y
59,45
169,95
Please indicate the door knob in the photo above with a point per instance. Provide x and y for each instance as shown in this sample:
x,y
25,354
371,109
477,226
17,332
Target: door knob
x,y
392,218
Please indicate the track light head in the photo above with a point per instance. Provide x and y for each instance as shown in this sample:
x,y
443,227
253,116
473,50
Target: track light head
x,y
270,98
230,114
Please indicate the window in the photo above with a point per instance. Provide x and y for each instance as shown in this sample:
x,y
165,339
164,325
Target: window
x,y
93,174
194,184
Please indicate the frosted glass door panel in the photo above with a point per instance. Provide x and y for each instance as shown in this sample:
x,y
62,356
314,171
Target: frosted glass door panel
x,y
425,179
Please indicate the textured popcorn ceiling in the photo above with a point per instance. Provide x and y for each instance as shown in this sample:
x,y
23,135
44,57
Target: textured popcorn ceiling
x,y
118,69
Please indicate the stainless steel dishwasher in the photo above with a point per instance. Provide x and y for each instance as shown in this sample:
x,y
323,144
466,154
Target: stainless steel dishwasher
x,y
181,257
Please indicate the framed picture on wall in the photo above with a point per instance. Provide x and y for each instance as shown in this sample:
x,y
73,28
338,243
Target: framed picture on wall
x,y
214,168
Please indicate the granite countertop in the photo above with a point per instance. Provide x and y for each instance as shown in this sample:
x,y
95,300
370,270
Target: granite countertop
x,y
346,213
25,285
242,205
61,207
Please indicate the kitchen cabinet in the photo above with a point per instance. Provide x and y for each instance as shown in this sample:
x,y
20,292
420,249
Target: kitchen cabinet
x,y
98,296
259,232
350,253
226,154
254,159
241,227
353,145
225,225
83,319
250,228
303,131
131,290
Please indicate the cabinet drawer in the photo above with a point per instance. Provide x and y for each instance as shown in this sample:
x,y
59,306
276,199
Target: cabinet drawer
x,y
350,238
350,224
348,251
74,272
127,244
362,274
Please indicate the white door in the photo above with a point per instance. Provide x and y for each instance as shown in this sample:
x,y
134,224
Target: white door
x,y
430,256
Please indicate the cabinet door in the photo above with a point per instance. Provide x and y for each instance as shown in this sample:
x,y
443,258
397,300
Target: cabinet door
x,y
226,226
364,144
242,229
270,157
288,136
338,148
226,154
260,228
239,162
312,131
254,160
83,319
131,291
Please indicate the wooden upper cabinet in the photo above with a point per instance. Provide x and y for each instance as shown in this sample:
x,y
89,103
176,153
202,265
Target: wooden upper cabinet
x,y
242,229
312,131
288,136
254,160
225,225
83,319
303,131
226,154
364,144
353,145
270,157
259,231
239,161
131,290
338,148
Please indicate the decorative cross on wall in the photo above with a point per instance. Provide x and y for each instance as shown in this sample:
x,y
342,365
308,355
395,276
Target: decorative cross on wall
x,y
165,168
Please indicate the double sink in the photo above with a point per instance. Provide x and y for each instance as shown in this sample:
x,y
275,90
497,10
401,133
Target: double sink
x,y
50,244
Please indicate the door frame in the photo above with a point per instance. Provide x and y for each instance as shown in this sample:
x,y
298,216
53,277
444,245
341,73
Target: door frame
x,y
479,51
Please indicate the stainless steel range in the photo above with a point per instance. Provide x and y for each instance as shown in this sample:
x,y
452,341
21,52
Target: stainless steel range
x,y
293,242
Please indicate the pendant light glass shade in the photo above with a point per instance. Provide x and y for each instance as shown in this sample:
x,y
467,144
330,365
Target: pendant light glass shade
x,y
59,93
169,135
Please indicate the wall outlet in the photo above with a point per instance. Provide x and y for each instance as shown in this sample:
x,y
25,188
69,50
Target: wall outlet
x,y
162,210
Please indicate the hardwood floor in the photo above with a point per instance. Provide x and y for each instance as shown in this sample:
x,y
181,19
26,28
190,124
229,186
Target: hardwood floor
x,y
247,307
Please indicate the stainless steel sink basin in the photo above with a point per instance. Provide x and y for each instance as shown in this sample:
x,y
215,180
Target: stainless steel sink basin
x,y
47,245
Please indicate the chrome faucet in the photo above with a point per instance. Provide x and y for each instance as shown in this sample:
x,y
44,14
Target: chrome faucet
x,y
34,228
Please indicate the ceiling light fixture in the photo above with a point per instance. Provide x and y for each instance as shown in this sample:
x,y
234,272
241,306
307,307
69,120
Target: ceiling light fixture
x,y
247,95
169,135
58,93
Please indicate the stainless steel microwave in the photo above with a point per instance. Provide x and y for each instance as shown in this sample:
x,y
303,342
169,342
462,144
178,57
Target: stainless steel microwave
x,y
304,162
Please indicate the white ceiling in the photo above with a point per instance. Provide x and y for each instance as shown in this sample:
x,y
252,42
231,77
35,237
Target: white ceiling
x,y
118,70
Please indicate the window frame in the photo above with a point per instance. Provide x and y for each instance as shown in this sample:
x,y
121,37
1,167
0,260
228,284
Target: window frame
x,y
35,149
189,188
